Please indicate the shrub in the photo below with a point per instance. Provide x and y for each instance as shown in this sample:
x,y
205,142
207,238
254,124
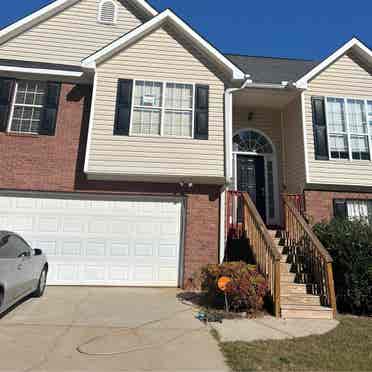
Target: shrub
x,y
246,291
350,245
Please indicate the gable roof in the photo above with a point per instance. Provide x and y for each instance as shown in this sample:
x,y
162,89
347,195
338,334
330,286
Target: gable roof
x,y
146,28
353,44
50,10
271,70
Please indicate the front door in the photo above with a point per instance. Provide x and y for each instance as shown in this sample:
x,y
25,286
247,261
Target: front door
x,y
251,179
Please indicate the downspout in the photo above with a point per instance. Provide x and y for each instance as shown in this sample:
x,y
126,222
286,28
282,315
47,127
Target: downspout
x,y
228,160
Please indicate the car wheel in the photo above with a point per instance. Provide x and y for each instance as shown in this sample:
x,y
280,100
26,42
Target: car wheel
x,y
42,283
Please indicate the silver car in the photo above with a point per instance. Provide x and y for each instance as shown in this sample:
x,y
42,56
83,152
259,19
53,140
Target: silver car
x,y
23,270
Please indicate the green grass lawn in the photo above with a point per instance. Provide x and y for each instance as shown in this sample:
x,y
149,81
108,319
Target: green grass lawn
x,y
346,348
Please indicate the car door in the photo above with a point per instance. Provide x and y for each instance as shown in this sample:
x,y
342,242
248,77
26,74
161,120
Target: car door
x,y
9,273
24,264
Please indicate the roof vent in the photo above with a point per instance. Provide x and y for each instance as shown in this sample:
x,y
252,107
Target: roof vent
x,y
107,12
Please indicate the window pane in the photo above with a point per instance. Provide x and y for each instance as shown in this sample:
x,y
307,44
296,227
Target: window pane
x,y
26,119
146,122
178,124
360,147
28,106
357,210
148,93
179,96
338,146
336,115
357,116
369,110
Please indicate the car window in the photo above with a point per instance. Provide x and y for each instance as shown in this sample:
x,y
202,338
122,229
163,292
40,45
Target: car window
x,y
12,246
21,247
7,249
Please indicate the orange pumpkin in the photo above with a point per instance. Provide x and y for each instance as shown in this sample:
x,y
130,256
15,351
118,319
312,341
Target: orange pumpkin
x,y
223,282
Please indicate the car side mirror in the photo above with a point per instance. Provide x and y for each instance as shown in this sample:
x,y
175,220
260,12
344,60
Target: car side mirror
x,y
38,252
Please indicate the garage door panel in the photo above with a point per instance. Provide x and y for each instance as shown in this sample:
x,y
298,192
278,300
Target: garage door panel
x,y
103,242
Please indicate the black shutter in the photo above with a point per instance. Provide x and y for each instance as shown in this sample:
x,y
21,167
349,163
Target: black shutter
x,y
201,112
50,110
6,93
339,208
123,107
320,129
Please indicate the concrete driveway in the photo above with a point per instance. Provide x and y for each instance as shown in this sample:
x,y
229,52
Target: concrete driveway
x,y
106,329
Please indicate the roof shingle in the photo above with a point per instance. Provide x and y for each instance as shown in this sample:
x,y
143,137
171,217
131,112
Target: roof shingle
x,y
272,70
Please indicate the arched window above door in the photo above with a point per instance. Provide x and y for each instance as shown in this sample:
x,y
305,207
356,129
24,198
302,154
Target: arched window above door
x,y
252,141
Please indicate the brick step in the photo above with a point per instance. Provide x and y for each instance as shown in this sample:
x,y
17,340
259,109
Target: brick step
x,y
300,299
292,288
306,312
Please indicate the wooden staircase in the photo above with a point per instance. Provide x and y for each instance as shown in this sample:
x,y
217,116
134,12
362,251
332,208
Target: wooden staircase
x,y
296,300
297,267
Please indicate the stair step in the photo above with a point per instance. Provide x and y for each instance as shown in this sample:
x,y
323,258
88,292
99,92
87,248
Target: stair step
x,y
292,288
287,277
285,268
300,299
284,258
306,312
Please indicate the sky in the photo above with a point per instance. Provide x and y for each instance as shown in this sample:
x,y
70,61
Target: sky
x,y
278,28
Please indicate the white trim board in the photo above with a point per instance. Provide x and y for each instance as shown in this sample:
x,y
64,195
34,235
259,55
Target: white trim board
x,y
146,28
41,71
353,43
50,10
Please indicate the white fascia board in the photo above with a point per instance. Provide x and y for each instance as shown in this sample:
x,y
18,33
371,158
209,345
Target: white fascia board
x,y
353,43
149,26
41,71
36,17
146,6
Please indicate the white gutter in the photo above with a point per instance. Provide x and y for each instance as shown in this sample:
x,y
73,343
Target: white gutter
x,y
229,127
41,71
228,158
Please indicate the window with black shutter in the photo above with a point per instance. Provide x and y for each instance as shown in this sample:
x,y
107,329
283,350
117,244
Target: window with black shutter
x,y
353,209
155,108
34,107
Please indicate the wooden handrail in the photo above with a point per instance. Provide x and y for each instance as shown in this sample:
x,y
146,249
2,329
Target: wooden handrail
x,y
311,258
261,225
319,246
265,251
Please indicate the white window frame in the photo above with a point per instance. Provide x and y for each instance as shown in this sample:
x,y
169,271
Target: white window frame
x,y
348,133
14,104
162,109
99,15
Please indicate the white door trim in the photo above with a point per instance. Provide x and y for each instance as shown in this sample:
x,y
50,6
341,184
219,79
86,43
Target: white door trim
x,y
267,157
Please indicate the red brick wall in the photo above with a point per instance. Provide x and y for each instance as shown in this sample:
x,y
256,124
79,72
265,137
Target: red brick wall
x,y
319,204
202,234
43,163
31,162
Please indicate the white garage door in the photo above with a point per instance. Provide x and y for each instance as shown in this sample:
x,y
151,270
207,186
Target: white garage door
x,y
100,242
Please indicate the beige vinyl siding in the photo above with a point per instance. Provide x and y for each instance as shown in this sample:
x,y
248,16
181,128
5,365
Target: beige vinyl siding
x,y
69,36
294,147
347,77
160,56
267,121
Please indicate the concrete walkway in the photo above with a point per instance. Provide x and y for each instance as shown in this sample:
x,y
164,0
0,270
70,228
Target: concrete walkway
x,y
270,328
106,329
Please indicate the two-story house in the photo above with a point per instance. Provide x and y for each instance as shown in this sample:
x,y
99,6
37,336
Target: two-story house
x,y
122,128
